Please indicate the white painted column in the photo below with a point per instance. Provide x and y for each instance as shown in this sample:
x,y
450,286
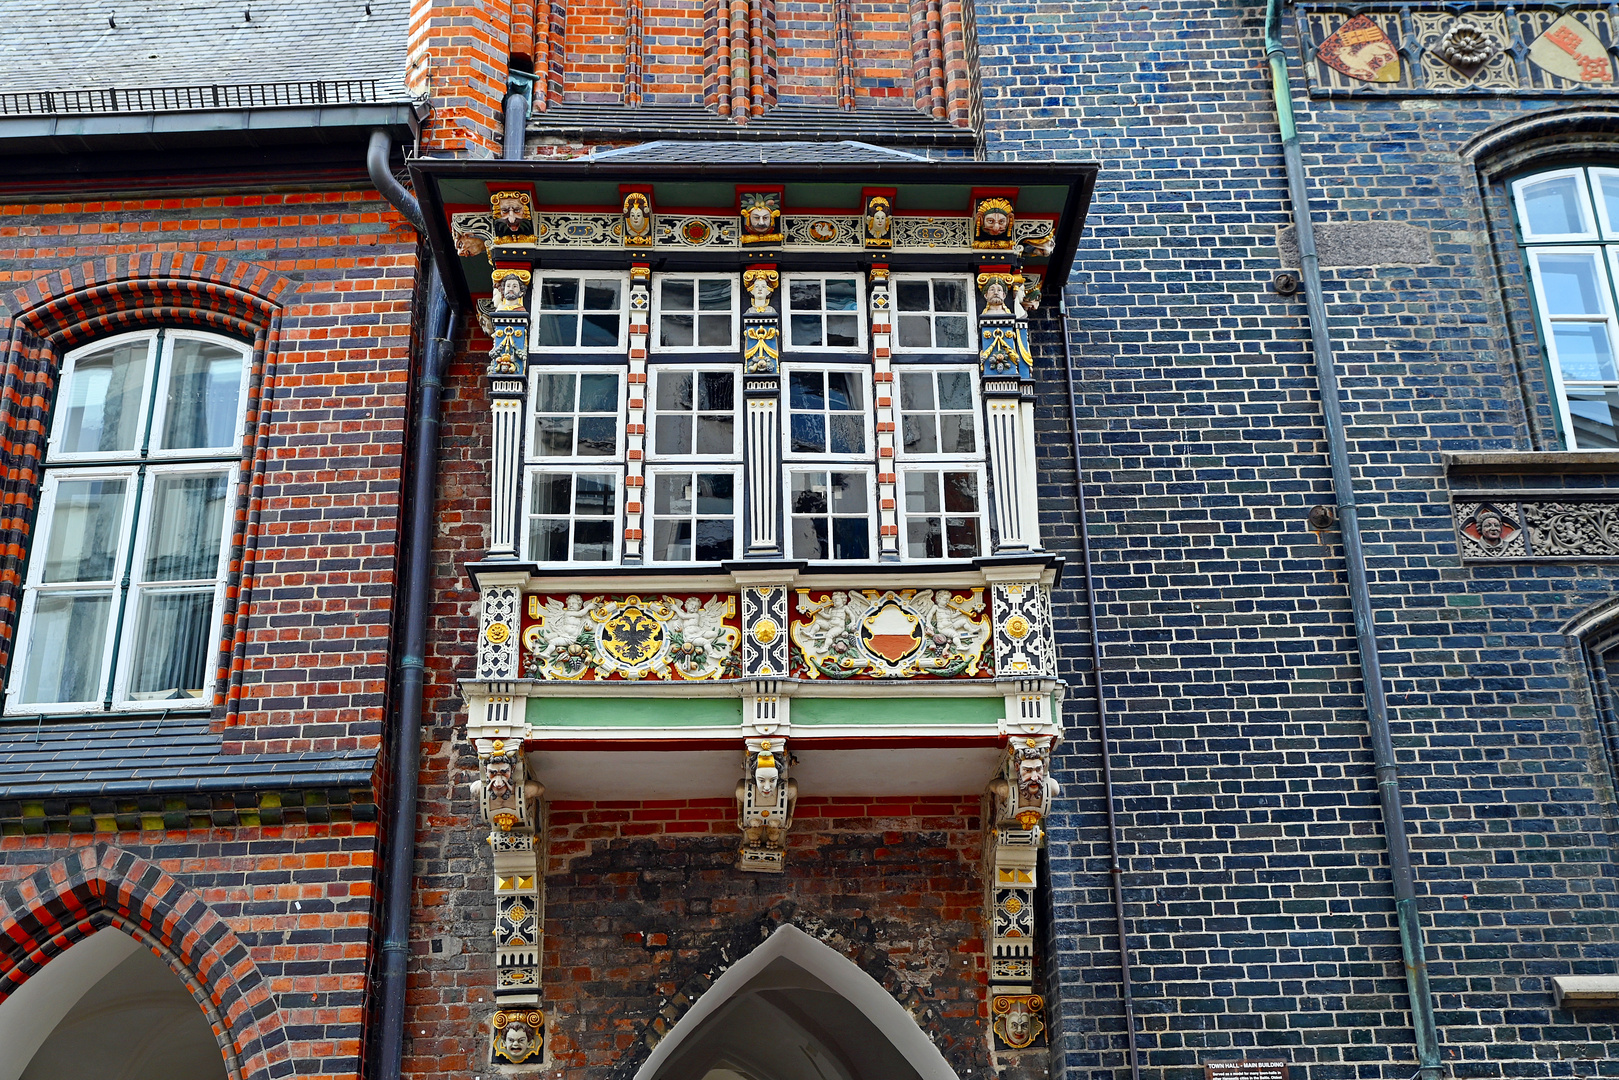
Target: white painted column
x,y
882,375
635,422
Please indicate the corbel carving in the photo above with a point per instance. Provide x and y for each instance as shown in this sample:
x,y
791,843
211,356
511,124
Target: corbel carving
x,y
513,214
1016,806
508,322
1003,335
507,799
765,798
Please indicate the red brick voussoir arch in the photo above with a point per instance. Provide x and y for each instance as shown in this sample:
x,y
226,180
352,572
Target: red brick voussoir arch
x,y
103,886
127,292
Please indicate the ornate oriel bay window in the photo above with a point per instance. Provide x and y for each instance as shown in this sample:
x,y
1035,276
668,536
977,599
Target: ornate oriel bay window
x,y
764,515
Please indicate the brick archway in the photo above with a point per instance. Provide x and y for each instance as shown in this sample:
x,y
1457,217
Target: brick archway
x,y
77,304
126,292
104,886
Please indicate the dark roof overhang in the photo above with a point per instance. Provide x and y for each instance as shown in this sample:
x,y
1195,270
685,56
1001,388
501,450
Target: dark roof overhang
x,y
1062,188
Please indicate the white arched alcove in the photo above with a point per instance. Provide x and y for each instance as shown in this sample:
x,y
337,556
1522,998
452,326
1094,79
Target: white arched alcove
x,y
795,1009
106,1009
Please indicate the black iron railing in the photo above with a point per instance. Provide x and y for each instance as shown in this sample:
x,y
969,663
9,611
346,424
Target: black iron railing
x,y
186,98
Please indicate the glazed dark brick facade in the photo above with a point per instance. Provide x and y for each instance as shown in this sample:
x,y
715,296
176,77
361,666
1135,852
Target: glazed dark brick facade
x,y
1255,874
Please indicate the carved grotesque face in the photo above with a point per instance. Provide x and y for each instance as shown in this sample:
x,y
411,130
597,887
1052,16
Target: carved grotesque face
x,y
500,779
1031,780
996,223
467,245
516,1041
1018,1023
512,215
759,219
1490,527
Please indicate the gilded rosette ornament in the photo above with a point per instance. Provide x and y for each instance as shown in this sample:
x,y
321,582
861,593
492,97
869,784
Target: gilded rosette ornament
x,y
667,637
910,633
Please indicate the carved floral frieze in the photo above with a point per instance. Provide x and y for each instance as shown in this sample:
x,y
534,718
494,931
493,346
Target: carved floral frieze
x,y
1520,529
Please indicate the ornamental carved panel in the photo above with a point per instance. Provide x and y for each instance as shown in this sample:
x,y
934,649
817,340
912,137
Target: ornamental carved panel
x,y
1518,529
909,633
579,637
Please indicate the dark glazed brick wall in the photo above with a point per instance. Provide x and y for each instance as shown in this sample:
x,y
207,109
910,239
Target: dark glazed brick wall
x,y
1256,881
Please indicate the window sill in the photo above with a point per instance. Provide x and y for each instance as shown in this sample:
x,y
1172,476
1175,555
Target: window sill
x,y
1524,462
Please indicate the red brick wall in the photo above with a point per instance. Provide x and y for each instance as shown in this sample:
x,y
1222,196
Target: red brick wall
x,y
459,54
642,898
806,53
273,925
882,52
672,52
269,919
593,53
324,281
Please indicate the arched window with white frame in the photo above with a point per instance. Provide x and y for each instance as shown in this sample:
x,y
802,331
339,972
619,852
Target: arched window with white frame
x,y
124,593
1568,220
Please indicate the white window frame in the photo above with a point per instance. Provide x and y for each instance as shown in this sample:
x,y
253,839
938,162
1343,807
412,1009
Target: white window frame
x,y
650,517
871,515
976,411
785,304
615,469
1586,208
139,590
971,315
1601,244
531,431
129,465
580,276
655,335
738,411
976,467
867,412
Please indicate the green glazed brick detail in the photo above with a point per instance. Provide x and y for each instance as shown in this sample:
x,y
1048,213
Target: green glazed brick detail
x,y
634,712
896,712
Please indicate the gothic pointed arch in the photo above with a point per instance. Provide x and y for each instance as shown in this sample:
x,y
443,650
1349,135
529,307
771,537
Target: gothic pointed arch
x,y
847,1024
104,886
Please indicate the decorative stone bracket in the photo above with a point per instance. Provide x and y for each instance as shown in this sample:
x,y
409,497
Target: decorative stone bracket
x,y
1016,805
765,799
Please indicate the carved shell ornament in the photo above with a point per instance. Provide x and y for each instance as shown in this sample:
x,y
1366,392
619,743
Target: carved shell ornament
x,y
1467,45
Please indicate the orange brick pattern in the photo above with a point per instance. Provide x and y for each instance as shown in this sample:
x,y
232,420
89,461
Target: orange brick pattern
x,y
279,964
322,282
593,60
743,57
458,54
882,51
807,54
672,44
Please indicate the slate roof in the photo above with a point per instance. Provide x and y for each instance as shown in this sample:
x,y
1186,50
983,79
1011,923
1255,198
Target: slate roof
x,y
56,45
775,153
133,755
